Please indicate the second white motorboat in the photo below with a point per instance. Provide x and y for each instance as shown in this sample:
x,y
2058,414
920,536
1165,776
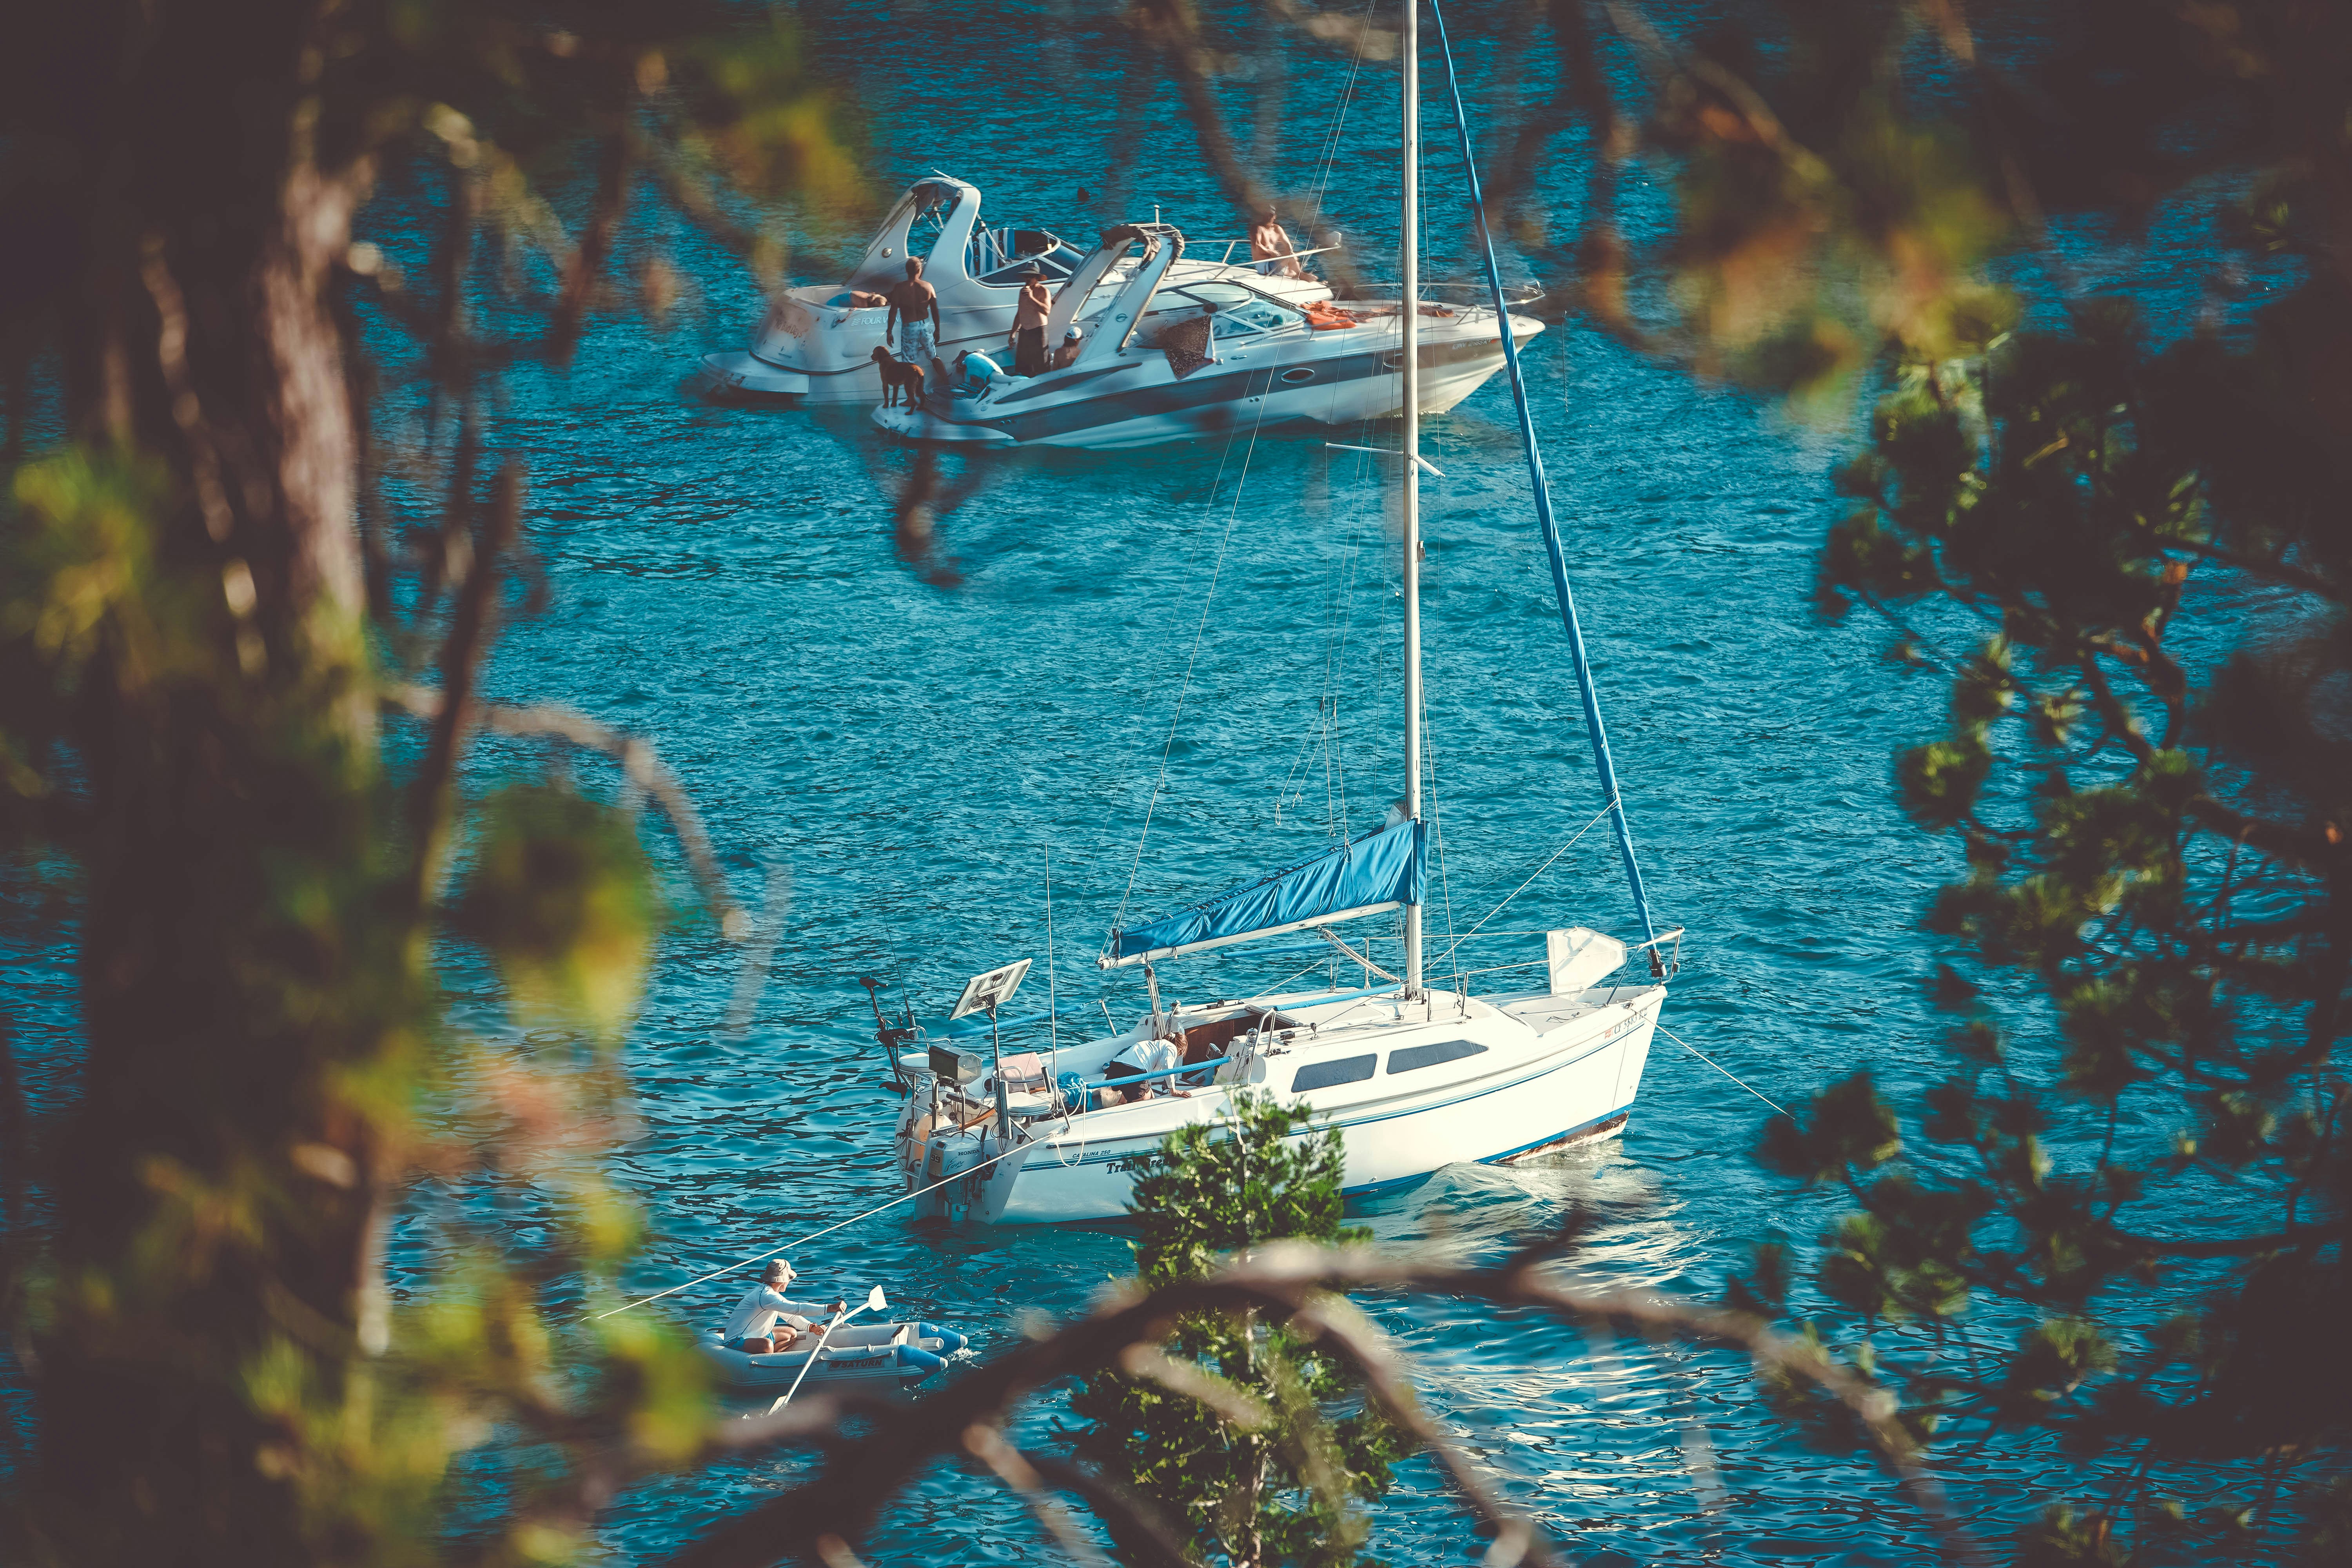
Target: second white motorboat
x,y
817,342
1171,355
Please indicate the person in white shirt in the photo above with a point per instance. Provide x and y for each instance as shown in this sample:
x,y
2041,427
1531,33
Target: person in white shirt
x,y
752,1328
1143,1056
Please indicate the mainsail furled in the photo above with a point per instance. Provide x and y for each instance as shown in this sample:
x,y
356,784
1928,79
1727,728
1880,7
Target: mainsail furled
x,y
1379,871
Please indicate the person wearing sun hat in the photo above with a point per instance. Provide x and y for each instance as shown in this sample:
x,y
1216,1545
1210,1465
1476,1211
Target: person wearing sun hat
x,y
753,1328
1029,323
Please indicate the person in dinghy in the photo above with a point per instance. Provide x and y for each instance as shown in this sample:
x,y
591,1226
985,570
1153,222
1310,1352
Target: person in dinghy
x,y
766,1321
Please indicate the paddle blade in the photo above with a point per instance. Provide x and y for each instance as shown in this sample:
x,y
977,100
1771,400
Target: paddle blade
x,y
873,1302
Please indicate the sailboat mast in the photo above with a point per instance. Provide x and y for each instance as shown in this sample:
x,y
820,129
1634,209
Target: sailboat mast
x,y
1409,312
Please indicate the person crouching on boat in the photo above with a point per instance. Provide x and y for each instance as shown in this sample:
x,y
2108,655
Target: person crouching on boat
x,y
971,374
1143,1056
765,1321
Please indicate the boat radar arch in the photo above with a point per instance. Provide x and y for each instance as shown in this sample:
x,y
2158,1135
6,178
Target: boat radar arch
x,y
957,207
1117,324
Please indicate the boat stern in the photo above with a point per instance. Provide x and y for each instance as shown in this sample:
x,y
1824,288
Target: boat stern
x,y
752,377
960,423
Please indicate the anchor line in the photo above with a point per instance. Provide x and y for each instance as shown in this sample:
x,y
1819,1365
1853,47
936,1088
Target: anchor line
x,y
828,1230
1721,1068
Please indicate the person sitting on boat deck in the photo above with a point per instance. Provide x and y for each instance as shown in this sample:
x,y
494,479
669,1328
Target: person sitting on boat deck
x,y
1270,247
974,372
1144,1056
914,313
1067,354
1029,323
753,1326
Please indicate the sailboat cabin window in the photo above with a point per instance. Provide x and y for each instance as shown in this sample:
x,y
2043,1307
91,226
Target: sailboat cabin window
x,y
1413,1057
1325,1075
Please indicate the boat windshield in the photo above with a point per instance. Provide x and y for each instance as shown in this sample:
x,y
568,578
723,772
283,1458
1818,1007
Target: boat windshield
x,y
999,256
1239,312
913,229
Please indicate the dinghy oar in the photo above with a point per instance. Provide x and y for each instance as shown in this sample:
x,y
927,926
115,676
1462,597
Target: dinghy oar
x,y
874,1303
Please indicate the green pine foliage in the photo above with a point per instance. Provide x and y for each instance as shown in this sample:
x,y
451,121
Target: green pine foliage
x,y
1278,1469
243,611
2134,1163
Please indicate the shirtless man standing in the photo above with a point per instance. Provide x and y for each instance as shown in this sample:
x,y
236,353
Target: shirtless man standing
x,y
1029,323
915,311
1270,243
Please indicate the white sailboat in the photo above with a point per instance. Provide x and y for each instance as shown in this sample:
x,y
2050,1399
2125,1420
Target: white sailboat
x,y
1416,1079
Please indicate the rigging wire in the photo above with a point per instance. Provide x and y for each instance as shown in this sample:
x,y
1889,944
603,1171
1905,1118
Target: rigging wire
x,y
1437,830
1330,160
1319,734
1540,870
1053,986
1208,601
828,1230
1340,121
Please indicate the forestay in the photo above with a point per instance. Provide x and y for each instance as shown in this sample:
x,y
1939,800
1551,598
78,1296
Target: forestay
x,y
1380,871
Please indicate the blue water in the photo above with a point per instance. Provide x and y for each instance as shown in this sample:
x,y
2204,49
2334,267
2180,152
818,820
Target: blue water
x,y
889,722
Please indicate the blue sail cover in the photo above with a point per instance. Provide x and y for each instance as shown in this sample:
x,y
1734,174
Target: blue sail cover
x,y
1379,871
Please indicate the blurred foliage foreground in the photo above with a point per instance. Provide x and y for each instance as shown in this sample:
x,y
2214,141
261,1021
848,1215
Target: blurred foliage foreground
x,y
2124,539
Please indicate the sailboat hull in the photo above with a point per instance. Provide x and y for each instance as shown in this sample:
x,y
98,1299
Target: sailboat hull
x,y
1548,1071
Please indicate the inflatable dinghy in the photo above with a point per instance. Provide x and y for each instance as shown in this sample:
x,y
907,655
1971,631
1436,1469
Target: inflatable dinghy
x,y
903,1353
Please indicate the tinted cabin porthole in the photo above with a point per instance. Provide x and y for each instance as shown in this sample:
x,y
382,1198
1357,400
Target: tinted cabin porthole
x,y
1298,372
1324,1075
1411,1056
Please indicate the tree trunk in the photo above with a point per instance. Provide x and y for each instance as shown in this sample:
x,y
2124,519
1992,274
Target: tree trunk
x,y
243,973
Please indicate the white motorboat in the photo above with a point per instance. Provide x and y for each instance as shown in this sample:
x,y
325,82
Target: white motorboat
x,y
1171,355
817,342
1415,1077
899,1353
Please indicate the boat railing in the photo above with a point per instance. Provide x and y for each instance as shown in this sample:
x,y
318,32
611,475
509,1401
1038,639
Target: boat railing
x,y
1523,294
1227,258
1209,1066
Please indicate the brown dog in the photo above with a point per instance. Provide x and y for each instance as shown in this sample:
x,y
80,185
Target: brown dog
x,y
900,377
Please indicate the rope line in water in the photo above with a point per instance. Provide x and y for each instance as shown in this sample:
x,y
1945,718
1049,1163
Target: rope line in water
x,y
1723,1070
959,1176
828,1230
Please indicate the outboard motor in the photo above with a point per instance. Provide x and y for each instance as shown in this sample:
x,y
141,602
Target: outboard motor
x,y
892,1036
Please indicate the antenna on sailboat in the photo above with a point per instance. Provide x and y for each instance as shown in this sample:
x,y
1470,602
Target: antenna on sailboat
x,y
985,994
1409,314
